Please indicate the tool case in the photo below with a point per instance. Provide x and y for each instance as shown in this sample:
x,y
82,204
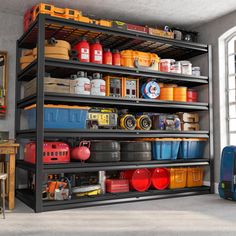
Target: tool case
x,y
227,184
117,185
141,60
137,28
161,33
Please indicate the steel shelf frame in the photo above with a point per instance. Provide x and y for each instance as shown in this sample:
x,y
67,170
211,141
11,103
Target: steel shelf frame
x,y
38,68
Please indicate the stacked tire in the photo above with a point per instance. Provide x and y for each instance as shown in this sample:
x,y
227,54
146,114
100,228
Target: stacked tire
x,y
136,151
104,151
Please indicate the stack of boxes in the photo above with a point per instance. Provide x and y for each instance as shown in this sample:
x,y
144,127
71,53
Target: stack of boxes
x,y
189,121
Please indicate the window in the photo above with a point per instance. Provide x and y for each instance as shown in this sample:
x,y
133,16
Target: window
x,y
230,49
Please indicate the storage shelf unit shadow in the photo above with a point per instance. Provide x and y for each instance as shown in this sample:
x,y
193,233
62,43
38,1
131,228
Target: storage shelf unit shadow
x,y
46,27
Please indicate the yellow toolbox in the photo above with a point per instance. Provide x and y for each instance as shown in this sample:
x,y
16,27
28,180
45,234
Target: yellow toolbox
x,y
131,58
178,178
161,33
195,177
106,23
51,10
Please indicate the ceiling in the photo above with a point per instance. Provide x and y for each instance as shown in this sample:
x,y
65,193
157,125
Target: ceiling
x,y
182,13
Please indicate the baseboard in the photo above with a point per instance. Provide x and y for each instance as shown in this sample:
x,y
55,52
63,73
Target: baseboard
x,y
207,183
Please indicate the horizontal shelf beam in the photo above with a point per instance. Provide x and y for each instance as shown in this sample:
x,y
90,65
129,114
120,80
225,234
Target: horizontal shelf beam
x,y
90,167
111,101
113,134
124,197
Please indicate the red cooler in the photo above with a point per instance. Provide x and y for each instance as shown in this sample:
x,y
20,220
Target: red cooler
x,y
139,179
160,178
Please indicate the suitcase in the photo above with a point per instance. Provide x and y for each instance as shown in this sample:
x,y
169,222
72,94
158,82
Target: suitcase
x,y
227,185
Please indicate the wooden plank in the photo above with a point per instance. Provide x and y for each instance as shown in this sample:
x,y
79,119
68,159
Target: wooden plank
x,y
11,176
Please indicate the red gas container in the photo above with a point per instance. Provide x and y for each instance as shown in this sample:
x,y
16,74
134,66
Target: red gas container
x,y
160,178
192,95
116,58
107,57
139,179
82,152
83,50
96,52
53,152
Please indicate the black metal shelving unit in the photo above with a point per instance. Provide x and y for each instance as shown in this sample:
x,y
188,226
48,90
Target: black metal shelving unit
x,y
46,27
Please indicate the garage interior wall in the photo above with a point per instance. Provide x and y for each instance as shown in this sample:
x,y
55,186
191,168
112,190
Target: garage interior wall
x,y
10,31
209,33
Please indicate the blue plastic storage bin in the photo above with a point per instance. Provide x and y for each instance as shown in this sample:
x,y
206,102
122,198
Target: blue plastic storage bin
x,y
165,149
192,148
59,117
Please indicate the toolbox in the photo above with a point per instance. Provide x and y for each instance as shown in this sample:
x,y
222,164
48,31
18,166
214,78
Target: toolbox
x,y
54,85
106,23
195,177
141,60
117,185
137,28
191,148
161,33
58,116
51,10
53,152
178,178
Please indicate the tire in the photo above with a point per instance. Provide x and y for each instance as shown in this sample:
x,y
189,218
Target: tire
x,y
104,157
105,146
134,146
136,156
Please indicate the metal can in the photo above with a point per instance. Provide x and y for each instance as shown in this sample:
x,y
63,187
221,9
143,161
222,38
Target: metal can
x,y
186,67
98,85
82,84
196,71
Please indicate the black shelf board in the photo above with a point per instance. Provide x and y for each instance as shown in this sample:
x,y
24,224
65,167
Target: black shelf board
x,y
150,105
26,196
74,167
64,68
110,37
112,133
110,198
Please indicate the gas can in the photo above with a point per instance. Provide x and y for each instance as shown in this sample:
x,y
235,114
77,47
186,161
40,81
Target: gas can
x,y
107,56
98,85
116,58
82,84
82,152
83,50
96,52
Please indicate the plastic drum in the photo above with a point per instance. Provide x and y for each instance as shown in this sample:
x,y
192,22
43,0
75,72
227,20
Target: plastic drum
x,y
139,179
160,178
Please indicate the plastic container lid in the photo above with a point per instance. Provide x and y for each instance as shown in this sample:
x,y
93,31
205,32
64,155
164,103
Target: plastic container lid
x,y
140,180
160,178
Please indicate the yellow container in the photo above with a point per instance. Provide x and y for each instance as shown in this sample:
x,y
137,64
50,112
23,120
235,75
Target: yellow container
x,y
178,178
106,23
195,177
161,33
166,94
180,94
49,9
131,58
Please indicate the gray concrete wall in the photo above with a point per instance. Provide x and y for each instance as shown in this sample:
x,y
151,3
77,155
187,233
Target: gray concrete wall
x,y
209,33
10,30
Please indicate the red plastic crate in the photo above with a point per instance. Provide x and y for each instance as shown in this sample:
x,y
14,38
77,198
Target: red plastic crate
x,y
28,18
53,152
117,185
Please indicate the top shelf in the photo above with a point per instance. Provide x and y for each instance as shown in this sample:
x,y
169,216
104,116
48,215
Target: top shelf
x,y
71,31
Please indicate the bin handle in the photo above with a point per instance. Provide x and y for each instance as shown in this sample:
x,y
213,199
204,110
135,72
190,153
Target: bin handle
x,y
152,64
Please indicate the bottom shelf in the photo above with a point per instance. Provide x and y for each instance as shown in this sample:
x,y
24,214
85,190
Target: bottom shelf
x,y
27,196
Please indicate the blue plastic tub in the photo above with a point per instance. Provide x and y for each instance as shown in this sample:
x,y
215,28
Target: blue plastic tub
x,y
59,117
165,149
192,148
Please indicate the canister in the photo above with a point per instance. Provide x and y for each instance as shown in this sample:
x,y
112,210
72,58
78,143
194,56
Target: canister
x,y
167,94
196,71
180,94
186,67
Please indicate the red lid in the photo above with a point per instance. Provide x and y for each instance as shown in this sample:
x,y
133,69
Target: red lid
x,y
160,178
140,179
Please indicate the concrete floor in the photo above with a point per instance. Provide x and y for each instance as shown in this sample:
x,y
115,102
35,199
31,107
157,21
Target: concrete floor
x,y
189,216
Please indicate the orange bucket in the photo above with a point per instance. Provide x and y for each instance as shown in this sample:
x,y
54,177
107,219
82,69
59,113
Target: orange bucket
x,y
180,94
166,94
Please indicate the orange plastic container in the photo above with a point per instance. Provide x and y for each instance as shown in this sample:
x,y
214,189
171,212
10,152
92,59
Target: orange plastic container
x,y
49,9
178,178
166,94
131,58
195,177
180,94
